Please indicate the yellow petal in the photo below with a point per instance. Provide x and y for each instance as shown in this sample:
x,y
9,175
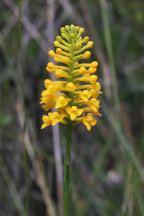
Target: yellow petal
x,y
44,125
68,109
46,120
80,111
73,115
62,102
70,86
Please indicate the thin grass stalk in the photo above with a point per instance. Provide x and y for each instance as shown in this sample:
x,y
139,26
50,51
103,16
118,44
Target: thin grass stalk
x,y
67,162
21,97
40,179
20,49
51,9
108,41
12,188
125,145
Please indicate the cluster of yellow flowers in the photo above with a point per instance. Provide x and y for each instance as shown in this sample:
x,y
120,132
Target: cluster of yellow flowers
x,y
74,96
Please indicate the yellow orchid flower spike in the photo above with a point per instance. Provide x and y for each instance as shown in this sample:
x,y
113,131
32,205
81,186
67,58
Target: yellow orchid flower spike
x,y
74,95
76,91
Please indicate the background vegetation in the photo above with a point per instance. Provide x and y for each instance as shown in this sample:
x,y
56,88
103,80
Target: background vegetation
x,y
107,163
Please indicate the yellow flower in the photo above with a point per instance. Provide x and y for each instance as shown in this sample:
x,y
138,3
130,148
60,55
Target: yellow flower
x,y
47,121
74,112
47,98
94,93
76,89
62,102
56,117
89,121
47,82
82,70
94,104
60,73
96,86
70,86
87,78
85,95
48,105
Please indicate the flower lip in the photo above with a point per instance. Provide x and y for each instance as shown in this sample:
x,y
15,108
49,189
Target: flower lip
x,y
74,112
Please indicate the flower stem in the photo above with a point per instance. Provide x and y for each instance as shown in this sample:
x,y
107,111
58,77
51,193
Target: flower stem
x,y
67,170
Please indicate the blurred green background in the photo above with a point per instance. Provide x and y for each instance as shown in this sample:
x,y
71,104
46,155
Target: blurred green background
x,y
107,163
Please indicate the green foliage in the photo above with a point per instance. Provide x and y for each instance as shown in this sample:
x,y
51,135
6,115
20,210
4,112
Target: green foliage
x,y
5,120
32,51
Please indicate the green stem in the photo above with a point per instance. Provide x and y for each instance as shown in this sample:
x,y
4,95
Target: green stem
x,y
67,170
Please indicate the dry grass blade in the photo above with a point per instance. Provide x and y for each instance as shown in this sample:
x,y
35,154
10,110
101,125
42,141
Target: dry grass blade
x,y
37,170
56,137
29,26
12,188
70,11
132,67
7,29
